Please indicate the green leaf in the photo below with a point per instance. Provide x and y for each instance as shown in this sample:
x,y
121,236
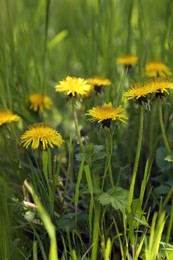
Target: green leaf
x,y
169,158
162,189
98,153
70,221
116,197
92,152
58,38
163,164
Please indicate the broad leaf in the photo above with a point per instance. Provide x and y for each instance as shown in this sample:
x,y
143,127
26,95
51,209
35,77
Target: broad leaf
x,y
163,164
116,197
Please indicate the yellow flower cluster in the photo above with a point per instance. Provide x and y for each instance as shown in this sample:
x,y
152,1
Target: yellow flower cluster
x,y
42,135
153,86
152,68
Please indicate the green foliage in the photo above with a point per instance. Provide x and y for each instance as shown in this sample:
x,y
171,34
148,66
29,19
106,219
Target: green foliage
x,y
94,156
116,197
163,164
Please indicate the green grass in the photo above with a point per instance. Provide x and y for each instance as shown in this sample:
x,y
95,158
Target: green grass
x,y
107,193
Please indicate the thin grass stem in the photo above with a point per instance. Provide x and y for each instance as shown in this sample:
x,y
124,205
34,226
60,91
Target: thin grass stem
x,y
163,128
47,9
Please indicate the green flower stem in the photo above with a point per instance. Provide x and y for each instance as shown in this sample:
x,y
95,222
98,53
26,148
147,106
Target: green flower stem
x,y
136,163
109,149
163,128
77,126
108,168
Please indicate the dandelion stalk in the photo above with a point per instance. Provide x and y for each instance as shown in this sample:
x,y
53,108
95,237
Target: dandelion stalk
x,y
136,163
163,128
108,168
77,126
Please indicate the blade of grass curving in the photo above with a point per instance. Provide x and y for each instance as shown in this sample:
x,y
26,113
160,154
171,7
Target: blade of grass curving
x,y
53,253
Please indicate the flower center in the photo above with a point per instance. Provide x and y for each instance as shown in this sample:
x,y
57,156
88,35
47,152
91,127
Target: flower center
x,y
98,89
106,122
142,100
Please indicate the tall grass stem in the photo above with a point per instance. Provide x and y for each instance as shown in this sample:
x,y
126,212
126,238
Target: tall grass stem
x,y
163,128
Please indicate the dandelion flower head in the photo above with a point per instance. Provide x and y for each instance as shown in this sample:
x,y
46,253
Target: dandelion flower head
x,y
98,82
6,116
106,112
138,90
159,84
73,86
37,102
41,134
127,60
157,69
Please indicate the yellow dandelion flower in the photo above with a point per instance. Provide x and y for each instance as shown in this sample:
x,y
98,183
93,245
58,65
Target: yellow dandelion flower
x,y
73,86
159,85
98,82
37,102
155,68
127,60
138,90
106,114
41,134
6,116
